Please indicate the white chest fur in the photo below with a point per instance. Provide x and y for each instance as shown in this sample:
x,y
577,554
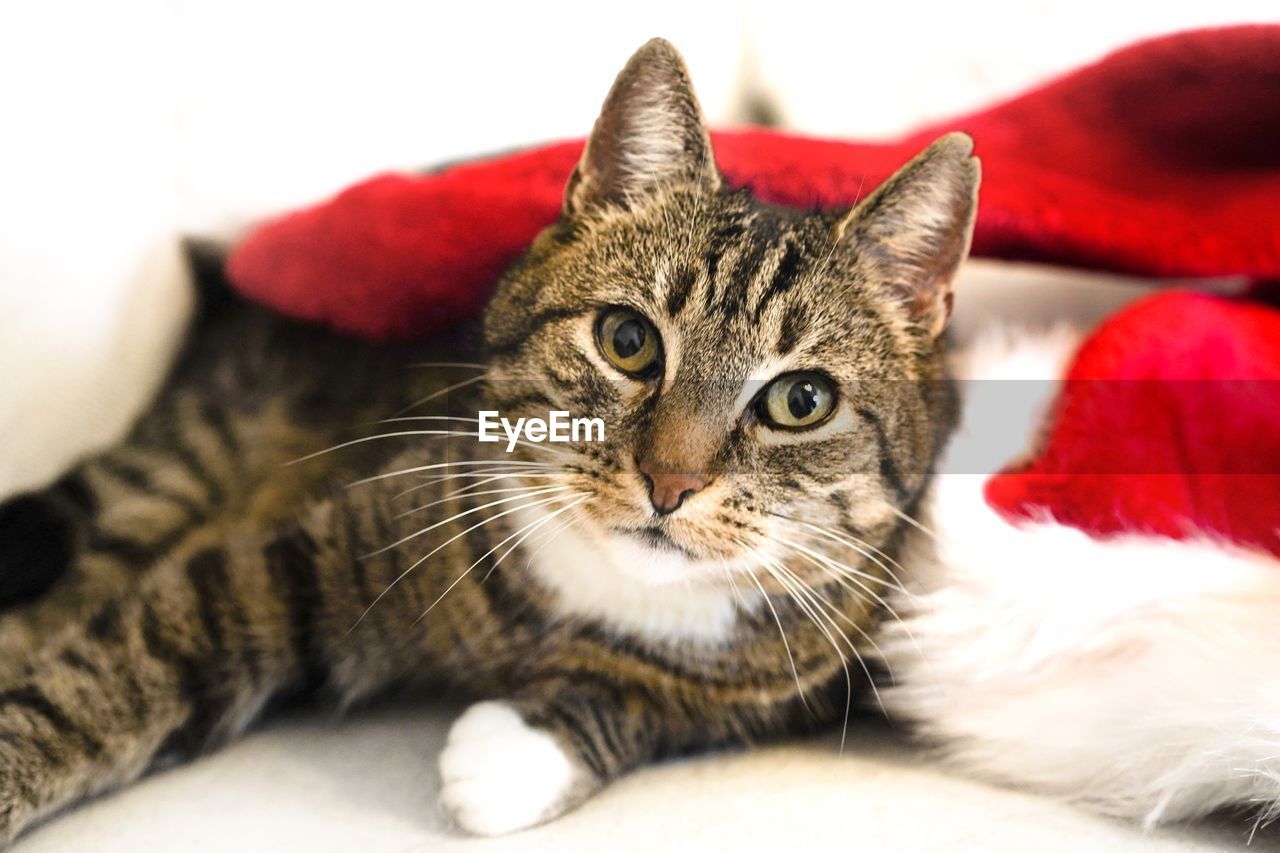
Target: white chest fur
x,y
651,594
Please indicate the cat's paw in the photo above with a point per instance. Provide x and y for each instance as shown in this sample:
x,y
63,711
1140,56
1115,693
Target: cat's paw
x,y
501,774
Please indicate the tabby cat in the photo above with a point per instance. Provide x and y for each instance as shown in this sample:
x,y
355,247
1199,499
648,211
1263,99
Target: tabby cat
x,y
773,392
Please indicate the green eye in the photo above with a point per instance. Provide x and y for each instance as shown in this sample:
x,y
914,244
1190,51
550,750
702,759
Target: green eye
x,y
629,342
797,401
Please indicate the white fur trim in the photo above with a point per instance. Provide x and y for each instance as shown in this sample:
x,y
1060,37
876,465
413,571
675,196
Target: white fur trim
x,y
1137,675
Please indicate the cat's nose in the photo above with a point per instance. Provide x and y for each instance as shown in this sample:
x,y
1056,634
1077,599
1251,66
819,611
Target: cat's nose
x,y
669,489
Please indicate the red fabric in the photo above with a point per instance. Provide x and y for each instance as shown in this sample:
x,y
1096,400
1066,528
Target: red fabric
x,y
1168,423
1163,159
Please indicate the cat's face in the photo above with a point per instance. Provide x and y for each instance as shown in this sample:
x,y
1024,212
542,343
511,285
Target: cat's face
x,y
770,381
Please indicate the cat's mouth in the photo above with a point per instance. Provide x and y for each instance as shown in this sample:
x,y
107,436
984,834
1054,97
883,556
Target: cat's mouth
x,y
659,540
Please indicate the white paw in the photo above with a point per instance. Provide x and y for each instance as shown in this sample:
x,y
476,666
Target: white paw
x,y
501,774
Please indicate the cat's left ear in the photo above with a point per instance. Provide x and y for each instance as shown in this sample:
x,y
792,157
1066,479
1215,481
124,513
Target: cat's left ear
x,y
650,133
917,226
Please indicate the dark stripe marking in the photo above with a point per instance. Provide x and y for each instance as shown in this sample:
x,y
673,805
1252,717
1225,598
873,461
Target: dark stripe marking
x,y
528,398
140,480
196,687
32,701
74,489
174,442
105,626
75,660
794,322
784,278
888,470
207,572
131,552
679,286
588,750
291,564
604,724
528,331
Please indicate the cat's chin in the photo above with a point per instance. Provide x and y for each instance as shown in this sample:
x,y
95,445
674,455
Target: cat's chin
x,y
653,558
637,588
657,540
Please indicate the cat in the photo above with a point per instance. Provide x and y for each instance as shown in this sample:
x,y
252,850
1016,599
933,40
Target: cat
x,y
773,394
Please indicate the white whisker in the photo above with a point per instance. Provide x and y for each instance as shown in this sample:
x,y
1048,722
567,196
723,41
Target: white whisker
x,y
438,465
471,364
845,617
466,491
786,644
488,475
855,575
914,523
428,433
448,541
552,534
733,585
540,490
798,592
443,391
837,568
467,571
856,543
893,582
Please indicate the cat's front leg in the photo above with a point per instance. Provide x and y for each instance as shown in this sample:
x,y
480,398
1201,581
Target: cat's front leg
x,y
511,764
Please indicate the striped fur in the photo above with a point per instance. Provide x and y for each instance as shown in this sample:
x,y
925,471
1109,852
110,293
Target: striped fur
x,y
165,593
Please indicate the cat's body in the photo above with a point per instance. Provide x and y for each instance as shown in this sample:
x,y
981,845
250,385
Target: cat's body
x,y
704,575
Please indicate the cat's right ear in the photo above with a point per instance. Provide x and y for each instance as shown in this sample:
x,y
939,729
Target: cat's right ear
x,y
650,134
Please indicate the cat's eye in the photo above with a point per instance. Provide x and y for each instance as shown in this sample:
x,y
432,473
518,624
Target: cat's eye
x,y
629,342
797,401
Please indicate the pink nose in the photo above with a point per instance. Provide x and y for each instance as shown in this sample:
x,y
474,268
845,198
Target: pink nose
x,y
669,489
